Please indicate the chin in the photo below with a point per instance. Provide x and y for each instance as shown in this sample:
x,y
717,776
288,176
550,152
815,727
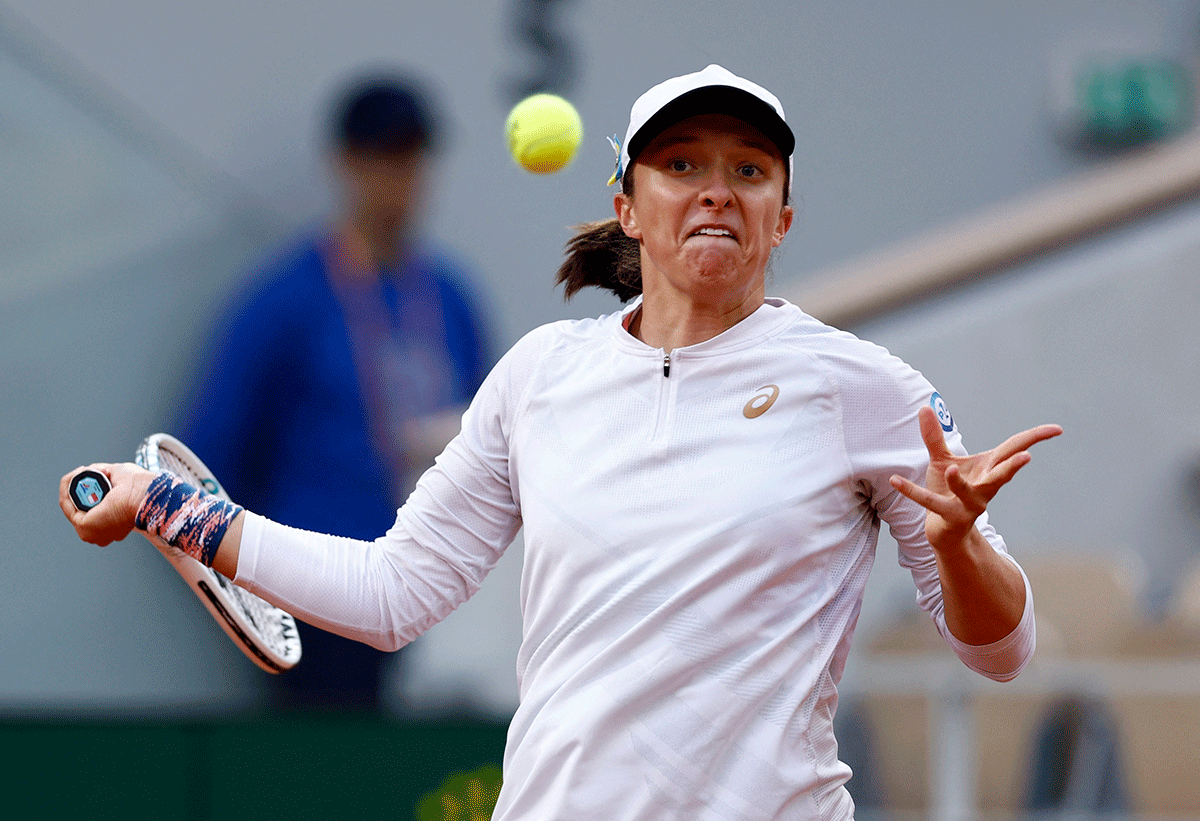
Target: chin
x,y
714,263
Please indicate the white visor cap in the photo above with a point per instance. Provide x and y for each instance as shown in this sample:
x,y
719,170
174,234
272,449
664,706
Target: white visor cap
x,y
715,90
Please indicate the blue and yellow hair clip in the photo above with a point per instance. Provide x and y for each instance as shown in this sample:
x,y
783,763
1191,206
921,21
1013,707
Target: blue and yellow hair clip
x,y
616,146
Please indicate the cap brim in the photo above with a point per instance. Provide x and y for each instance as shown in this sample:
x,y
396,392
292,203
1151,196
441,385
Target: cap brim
x,y
716,100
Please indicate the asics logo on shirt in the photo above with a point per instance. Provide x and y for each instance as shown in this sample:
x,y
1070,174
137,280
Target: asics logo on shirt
x,y
761,402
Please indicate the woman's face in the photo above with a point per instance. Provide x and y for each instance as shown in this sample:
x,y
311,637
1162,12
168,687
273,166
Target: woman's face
x,y
707,208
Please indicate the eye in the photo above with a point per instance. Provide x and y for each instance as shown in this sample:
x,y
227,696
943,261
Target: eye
x,y
749,171
678,165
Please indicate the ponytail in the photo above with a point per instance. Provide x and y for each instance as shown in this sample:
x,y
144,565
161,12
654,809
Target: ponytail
x,y
600,254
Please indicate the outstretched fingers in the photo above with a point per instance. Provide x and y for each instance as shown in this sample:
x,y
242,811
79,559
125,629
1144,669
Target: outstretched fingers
x,y
963,502
971,481
923,496
1024,440
1002,472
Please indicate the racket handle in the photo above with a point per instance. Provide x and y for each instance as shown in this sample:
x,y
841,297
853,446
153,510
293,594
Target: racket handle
x,y
88,488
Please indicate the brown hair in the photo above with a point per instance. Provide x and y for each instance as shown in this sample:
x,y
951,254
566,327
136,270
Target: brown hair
x,y
601,255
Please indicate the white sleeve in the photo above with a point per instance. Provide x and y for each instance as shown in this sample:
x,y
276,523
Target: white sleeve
x,y
448,536
883,437
1001,660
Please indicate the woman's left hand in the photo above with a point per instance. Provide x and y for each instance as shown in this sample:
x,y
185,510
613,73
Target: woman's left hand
x,y
959,488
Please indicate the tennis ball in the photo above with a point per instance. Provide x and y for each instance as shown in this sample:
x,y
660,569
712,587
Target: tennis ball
x,y
544,131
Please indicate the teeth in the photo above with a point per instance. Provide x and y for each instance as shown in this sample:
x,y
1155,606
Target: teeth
x,y
714,232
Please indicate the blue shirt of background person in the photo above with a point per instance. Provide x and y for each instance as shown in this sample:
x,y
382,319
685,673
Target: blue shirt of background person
x,y
346,364
284,417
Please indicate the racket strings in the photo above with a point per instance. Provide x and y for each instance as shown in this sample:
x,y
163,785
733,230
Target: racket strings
x,y
276,627
174,463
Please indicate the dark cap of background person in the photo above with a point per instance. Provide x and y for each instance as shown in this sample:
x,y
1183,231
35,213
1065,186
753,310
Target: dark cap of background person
x,y
384,113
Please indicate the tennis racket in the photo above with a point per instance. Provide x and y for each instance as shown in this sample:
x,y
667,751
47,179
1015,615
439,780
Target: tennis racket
x,y
266,634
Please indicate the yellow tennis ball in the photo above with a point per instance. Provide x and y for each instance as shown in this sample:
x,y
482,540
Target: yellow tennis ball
x,y
544,131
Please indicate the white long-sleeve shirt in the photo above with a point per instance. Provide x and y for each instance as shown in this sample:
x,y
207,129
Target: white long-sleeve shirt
x,y
698,532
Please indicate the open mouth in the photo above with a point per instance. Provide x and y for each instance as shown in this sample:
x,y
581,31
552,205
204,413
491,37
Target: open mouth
x,y
713,232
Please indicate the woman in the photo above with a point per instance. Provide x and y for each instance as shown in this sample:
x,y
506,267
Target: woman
x,y
701,479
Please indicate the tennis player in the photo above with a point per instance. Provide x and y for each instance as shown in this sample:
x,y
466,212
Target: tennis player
x,y
701,478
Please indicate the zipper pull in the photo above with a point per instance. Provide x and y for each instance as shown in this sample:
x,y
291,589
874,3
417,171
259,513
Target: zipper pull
x,y
667,365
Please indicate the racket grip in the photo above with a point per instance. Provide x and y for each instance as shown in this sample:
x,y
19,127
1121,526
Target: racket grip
x,y
88,488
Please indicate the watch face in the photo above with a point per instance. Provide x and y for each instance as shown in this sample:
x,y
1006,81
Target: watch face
x,y
88,488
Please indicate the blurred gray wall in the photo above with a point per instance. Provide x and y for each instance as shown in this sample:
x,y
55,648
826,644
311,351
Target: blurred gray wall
x,y
152,151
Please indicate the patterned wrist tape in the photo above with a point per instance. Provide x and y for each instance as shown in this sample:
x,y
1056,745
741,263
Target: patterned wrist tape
x,y
185,518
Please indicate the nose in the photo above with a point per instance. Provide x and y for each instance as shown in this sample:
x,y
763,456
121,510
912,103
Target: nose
x,y
715,192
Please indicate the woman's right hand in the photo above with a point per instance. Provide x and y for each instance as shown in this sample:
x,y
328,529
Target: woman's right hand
x,y
112,519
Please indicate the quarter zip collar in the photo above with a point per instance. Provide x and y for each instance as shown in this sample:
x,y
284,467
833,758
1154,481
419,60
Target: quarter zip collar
x,y
770,318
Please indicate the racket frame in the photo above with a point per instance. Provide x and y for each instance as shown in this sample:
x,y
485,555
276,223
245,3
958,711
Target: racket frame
x,y
229,605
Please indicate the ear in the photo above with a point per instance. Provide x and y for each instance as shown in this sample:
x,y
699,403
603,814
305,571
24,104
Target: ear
x,y
623,206
786,215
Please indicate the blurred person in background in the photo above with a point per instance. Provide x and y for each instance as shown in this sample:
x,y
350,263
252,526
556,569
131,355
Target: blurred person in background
x,y
345,365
